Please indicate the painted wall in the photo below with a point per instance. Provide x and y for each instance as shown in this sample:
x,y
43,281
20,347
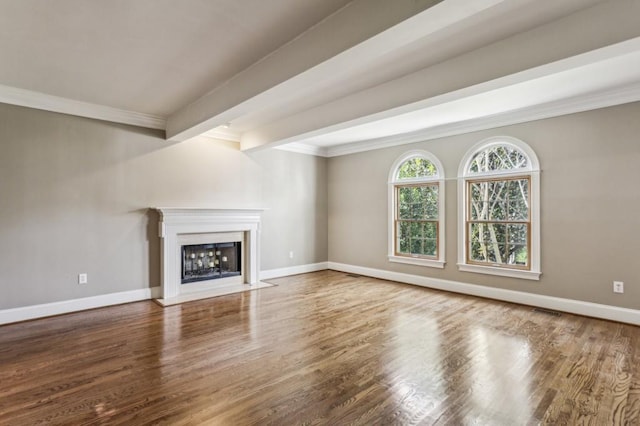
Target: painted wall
x,y
75,193
590,204
74,197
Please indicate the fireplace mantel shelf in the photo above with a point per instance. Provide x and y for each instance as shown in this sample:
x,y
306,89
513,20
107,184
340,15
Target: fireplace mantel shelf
x,y
207,209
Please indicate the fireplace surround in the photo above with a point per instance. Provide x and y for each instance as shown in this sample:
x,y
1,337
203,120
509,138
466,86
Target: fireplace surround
x,y
213,231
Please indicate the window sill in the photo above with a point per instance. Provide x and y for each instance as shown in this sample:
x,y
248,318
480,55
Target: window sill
x,y
431,263
503,272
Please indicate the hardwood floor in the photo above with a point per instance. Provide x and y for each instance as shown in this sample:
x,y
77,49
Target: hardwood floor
x,y
321,348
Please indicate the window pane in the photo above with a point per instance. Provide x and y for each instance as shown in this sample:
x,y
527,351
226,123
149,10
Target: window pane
x,y
405,198
477,251
496,158
518,188
496,253
497,190
431,202
404,211
429,247
478,206
403,237
487,241
518,199
495,233
478,210
518,210
430,230
518,255
475,191
416,245
417,211
518,233
498,231
497,210
415,229
416,168
487,201
478,191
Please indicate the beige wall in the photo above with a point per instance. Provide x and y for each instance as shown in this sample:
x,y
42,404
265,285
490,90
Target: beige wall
x,y
74,197
75,193
590,205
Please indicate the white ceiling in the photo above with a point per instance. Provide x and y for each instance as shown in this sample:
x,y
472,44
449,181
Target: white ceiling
x,y
149,56
321,76
601,71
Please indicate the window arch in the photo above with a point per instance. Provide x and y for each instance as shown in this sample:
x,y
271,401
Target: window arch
x,y
416,210
499,209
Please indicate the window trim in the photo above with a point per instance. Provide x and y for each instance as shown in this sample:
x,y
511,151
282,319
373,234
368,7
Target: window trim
x,y
532,171
393,183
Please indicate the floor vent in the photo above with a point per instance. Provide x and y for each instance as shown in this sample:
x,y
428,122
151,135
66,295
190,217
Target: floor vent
x,y
353,275
547,311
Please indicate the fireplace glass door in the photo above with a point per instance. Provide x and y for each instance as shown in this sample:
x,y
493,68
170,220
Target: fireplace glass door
x,y
203,262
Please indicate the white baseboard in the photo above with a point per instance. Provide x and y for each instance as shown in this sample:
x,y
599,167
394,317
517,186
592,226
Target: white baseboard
x,y
614,313
56,308
293,270
8,316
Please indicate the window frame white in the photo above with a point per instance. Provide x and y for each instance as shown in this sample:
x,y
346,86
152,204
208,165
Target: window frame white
x,y
439,178
532,171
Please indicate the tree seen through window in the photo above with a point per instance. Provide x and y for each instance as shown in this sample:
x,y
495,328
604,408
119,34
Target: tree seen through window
x,y
498,219
417,209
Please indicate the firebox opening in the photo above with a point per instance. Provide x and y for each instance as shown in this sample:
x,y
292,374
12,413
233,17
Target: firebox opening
x,y
201,262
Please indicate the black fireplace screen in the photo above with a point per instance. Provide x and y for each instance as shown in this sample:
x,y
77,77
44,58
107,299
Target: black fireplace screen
x,y
210,261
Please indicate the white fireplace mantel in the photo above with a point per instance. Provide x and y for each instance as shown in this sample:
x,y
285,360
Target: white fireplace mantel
x,y
177,223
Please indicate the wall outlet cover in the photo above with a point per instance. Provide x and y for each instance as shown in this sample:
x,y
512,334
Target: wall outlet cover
x,y
618,287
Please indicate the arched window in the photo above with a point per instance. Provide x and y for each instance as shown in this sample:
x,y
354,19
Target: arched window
x,y
499,209
416,210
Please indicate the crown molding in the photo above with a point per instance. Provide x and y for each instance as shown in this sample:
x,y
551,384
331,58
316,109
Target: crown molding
x,y
303,148
588,102
30,99
221,134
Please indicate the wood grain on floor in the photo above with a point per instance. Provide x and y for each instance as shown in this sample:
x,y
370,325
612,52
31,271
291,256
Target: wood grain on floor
x,y
321,348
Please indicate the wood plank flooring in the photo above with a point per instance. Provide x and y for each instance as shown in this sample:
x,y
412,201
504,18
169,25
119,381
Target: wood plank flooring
x,y
321,348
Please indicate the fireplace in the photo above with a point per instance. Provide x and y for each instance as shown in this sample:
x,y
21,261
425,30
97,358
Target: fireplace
x,y
202,262
206,252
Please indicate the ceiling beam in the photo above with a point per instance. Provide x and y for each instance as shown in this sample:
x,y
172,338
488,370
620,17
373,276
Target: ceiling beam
x,y
361,30
464,75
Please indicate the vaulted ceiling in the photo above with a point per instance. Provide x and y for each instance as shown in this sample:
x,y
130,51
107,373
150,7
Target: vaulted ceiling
x,y
321,76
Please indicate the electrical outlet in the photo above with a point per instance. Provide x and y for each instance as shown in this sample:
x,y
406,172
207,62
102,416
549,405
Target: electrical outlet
x,y
83,278
618,287
290,255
